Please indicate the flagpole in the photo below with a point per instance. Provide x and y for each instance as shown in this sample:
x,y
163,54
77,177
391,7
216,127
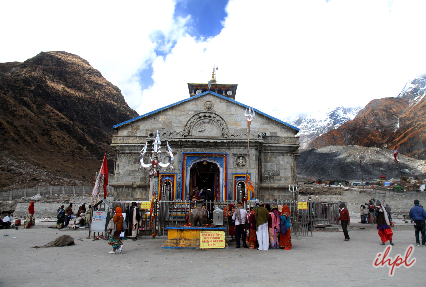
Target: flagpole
x,y
249,115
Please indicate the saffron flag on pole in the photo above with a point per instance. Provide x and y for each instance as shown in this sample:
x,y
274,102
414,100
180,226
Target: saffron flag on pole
x,y
395,153
249,187
104,173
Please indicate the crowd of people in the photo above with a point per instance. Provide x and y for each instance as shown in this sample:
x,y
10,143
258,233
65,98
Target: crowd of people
x,y
262,227
383,218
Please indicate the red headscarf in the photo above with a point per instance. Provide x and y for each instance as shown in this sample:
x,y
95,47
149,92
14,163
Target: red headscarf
x,y
118,210
31,208
285,211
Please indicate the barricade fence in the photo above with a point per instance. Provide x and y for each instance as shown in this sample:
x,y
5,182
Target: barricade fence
x,y
49,190
176,213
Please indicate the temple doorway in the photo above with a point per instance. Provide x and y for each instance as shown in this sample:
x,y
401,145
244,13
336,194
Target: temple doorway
x,y
241,190
166,191
205,175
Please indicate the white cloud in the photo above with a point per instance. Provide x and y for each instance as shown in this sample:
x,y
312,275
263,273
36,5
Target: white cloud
x,y
113,36
300,56
287,57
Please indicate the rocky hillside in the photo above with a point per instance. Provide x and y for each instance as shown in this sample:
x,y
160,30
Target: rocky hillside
x,y
56,118
343,162
385,123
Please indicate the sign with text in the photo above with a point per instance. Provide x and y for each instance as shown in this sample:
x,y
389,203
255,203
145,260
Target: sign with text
x,y
98,221
212,239
146,205
302,205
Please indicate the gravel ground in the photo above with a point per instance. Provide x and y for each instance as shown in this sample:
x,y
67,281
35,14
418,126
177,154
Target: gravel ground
x,y
322,260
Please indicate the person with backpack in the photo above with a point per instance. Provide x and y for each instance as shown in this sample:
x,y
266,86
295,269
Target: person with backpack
x,y
285,229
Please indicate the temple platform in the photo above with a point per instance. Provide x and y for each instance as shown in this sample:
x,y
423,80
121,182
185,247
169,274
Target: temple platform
x,y
187,237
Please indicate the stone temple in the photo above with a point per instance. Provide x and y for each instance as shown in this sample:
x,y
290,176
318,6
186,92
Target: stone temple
x,y
208,135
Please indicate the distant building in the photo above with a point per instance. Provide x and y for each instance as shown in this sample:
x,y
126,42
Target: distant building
x,y
208,135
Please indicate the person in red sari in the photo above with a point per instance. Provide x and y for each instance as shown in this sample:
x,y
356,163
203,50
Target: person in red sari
x,y
252,229
285,239
383,224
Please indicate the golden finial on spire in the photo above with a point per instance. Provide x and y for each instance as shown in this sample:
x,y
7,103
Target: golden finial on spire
x,y
213,80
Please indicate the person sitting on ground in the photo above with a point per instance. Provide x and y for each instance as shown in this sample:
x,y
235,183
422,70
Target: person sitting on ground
x,y
7,221
81,209
61,217
68,213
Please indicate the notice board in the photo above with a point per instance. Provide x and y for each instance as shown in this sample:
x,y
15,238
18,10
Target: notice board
x,y
212,239
146,205
302,205
98,221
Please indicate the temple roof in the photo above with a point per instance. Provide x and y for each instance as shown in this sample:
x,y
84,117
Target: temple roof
x,y
198,96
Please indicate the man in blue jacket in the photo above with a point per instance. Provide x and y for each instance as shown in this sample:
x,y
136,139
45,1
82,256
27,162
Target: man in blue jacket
x,y
418,215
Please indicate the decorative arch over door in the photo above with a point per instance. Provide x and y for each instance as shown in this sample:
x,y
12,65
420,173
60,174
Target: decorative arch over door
x,y
206,124
219,159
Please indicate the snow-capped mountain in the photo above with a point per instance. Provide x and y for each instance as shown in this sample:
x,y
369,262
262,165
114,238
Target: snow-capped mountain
x,y
316,124
386,123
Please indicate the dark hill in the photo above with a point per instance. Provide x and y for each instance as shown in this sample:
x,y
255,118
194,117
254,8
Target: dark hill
x,y
56,119
343,162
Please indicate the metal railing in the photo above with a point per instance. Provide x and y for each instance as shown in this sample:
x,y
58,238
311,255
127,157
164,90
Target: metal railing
x,y
176,214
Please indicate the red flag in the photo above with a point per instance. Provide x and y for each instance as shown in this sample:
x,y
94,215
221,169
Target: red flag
x,y
395,153
104,172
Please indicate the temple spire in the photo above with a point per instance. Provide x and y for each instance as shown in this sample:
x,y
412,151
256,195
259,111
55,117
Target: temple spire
x,y
213,80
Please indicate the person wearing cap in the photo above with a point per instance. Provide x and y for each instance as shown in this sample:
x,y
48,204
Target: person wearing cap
x,y
262,217
418,215
383,224
344,220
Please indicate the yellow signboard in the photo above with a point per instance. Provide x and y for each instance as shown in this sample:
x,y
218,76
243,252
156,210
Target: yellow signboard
x,y
212,239
302,205
146,205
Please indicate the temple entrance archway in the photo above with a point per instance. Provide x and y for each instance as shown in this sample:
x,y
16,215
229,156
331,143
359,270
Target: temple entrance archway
x,y
205,175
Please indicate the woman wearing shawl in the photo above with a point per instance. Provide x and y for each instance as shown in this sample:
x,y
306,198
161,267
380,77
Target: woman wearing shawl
x,y
30,219
114,240
383,224
274,231
252,229
285,239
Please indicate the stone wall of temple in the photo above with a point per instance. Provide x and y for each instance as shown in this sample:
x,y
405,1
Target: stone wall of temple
x,y
210,126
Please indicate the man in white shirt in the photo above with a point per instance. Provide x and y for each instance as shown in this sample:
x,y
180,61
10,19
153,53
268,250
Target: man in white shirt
x,y
7,221
240,216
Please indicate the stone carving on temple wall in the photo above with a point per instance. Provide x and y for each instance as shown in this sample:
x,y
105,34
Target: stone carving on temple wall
x,y
240,160
208,105
206,124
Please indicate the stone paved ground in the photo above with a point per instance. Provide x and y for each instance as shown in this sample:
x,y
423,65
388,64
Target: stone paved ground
x,y
322,260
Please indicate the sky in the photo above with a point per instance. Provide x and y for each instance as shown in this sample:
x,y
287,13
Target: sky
x,y
288,58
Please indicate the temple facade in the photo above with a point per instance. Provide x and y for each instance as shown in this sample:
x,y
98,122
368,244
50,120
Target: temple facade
x,y
208,135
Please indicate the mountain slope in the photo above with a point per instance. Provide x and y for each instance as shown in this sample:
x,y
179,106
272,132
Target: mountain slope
x,y
385,123
56,115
